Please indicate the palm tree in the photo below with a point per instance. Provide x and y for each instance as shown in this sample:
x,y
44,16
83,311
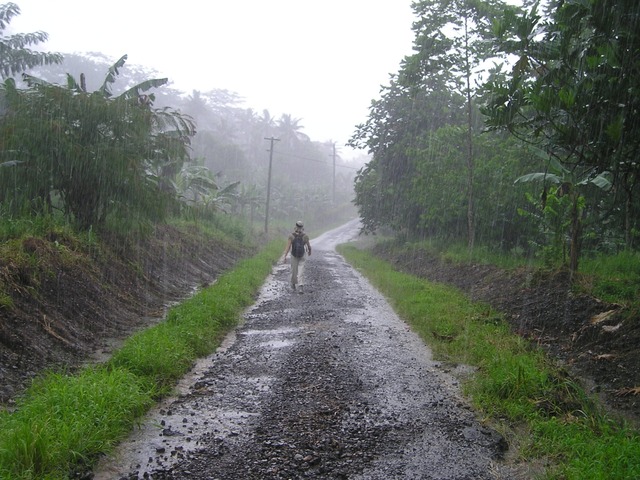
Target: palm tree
x,y
290,132
267,123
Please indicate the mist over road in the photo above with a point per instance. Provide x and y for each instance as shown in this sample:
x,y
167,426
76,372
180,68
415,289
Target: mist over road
x,y
325,384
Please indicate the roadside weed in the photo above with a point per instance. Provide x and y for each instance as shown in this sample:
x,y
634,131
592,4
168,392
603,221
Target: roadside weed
x,y
64,420
613,278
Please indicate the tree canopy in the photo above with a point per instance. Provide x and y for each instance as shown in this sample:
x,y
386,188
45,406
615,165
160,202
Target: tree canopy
x,y
95,152
15,54
563,91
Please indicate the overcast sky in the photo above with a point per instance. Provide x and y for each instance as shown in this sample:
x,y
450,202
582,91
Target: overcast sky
x,y
319,61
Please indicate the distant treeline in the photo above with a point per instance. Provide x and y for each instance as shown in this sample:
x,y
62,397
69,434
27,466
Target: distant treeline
x,y
93,140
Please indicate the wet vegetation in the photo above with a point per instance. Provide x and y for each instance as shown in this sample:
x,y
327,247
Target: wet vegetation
x,y
511,128
509,138
63,423
529,161
103,166
515,385
118,195
108,146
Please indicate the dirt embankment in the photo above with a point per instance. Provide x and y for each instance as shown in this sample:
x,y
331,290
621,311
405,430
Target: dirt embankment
x,y
70,305
596,341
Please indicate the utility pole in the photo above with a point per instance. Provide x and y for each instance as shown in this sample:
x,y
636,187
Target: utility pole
x,y
333,144
266,214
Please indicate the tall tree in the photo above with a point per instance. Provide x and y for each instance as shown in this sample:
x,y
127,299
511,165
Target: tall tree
x,y
461,28
575,90
434,88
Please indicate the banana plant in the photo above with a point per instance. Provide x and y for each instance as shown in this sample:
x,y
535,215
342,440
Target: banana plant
x,y
221,199
100,153
195,182
249,196
571,185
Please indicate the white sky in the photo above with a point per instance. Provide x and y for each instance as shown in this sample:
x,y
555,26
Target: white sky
x,y
320,61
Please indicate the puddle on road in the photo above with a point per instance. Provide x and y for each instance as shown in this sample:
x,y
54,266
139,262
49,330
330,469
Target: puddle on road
x,y
277,343
173,429
358,317
254,315
275,331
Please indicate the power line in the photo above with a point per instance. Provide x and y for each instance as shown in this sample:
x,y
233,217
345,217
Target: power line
x,y
289,155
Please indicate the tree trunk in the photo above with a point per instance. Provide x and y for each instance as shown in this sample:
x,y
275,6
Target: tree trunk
x,y
627,219
470,163
576,233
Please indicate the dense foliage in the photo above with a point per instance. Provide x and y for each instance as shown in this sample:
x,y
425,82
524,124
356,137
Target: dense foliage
x,y
538,157
120,150
88,153
15,54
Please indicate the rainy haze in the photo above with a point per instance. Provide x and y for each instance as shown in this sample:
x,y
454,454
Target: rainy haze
x,y
508,136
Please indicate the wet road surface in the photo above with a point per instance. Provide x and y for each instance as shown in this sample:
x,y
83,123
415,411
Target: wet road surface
x,y
325,384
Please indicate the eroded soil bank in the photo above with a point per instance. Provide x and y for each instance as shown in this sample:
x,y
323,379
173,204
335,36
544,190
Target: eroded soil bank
x,y
598,343
325,384
71,305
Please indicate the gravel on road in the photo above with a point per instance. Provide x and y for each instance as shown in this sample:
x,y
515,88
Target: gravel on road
x,y
325,384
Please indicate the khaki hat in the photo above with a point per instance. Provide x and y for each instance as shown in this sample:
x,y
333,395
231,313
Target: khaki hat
x,y
299,224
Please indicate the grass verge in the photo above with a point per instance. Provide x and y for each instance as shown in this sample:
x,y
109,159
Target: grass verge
x,y
613,278
515,384
64,421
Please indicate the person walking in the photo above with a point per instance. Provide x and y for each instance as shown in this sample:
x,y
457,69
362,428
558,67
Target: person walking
x,y
298,244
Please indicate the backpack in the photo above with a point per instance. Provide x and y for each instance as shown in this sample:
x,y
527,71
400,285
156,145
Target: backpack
x,y
297,245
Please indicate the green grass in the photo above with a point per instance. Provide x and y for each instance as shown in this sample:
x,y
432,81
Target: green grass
x,y
458,252
19,226
613,278
217,225
486,255
515,384
65,421
194,328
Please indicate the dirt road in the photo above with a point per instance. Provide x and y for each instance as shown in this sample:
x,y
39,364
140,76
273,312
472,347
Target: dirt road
x,y
325,384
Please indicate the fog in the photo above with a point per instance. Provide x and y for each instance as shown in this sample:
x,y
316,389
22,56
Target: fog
x,y
322,63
